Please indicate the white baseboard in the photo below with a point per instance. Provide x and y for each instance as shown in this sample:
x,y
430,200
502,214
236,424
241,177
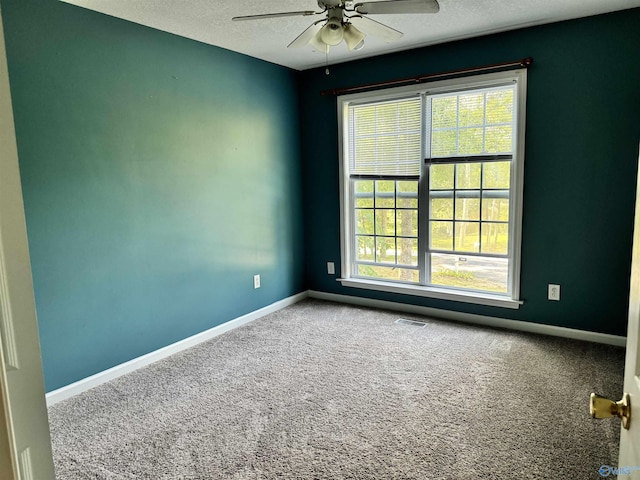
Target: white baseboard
x,y
476,319
80,386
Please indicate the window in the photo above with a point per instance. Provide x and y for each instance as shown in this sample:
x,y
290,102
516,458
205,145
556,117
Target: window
x,y
431,188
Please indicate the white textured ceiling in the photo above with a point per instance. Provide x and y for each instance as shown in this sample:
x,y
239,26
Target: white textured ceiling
x,y
209,21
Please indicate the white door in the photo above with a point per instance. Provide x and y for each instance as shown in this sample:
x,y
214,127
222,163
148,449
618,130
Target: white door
x,y
630,439
6,451
25,427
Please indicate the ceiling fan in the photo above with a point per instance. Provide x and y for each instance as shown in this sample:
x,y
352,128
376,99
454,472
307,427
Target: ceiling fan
x,y
349,22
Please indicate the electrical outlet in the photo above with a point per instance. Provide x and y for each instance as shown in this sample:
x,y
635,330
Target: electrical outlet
x,y
331,268
554,292
256,281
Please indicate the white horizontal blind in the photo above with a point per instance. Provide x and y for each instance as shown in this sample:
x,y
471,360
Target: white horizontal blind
x,y
385,137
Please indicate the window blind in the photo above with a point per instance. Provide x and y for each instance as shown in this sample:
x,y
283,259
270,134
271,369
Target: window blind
x,y
385,137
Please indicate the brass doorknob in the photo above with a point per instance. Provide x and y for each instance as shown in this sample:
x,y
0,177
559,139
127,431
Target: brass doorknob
x,y
601,407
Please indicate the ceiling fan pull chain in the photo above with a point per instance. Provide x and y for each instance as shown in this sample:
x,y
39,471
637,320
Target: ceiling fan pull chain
x,y
326,57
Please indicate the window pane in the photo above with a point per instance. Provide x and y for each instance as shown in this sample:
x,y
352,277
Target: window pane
x,y
385,195
364,221
407,194
470,141
442,208
444,112
409,115
408,251
407,223
364,150
388,273
443,143
468,208
365,249
468,271
472,123
495,238
385,222
363,193
386,118
471,109
468,175
385,250
499,139
408,147
441,177
364,119
386,147
467,236
441,235
496,175
496,209
500,106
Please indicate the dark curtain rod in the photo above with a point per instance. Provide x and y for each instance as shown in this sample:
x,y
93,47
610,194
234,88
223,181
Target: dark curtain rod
x,y
525,62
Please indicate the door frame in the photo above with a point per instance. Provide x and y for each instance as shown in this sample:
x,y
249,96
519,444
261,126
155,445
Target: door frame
x,y
8,456
25,441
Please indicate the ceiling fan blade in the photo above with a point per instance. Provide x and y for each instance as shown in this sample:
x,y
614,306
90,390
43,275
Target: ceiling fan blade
x,y
302,39
377,29
303,13
398,6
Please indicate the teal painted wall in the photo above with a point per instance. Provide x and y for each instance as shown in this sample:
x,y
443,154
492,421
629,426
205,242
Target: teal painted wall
x,y
159,174
580,164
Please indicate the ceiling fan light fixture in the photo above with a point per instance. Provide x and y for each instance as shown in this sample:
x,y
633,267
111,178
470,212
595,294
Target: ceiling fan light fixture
x,y
340,16
353,37
333,32
317,43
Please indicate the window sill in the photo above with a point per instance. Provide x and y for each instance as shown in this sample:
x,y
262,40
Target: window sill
x,y
431,292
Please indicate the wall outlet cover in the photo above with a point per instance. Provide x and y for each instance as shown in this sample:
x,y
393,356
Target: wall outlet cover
x,y
256,281
554,292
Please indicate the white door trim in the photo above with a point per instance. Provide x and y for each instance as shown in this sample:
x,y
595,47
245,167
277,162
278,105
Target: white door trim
x,y
26,425
8,458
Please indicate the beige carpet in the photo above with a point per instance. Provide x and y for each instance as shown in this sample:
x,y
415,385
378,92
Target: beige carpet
x,y
327,391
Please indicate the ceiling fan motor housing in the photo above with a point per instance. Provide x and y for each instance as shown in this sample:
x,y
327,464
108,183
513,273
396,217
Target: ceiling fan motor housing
x,y
329,4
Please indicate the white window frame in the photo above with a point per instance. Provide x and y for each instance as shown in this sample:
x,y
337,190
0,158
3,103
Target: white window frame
x,y
519,77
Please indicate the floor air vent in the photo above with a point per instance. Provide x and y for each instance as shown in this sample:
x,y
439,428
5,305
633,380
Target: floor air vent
x,y
410,323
